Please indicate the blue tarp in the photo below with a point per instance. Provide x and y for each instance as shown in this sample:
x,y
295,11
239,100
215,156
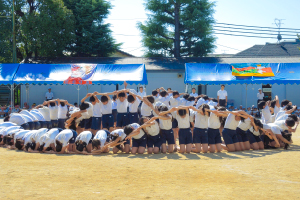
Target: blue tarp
x,y
215,73
7,72
81,74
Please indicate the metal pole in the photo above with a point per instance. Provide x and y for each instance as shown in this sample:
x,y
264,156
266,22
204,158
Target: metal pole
x,y
78,94
246,95
14,34
186,88
11,96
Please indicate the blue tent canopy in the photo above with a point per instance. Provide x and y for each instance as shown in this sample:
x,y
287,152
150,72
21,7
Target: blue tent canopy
x,y
7,73
81,74
215,73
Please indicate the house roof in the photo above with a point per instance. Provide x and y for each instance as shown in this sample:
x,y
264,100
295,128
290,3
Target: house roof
x,y
286,48
162,64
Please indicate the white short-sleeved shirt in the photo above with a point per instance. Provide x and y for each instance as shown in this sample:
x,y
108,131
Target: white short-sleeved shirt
x,y
165,100
122,106
27,118
7,124
97,109
45,112
145,110
20,135
38,115
156,98
281,115
37,135
252,130
107,108
266,115
190,103
62,112
222,94
194,95
230,122
201,121
10,130
260,96
27,137
133,107
183,102
119,133
49,137
141,134
211,103
64,137
114,105
175,102
17,119
102,136
245,125
281,124
142,94
90,110
49,95
84,136
200,102
183,122
153,130
25,112
166,124
53,112
213,121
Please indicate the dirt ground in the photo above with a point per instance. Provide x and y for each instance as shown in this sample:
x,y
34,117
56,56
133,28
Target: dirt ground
x,y
268,174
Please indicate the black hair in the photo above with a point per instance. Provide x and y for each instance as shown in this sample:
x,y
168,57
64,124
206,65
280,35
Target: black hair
x,y
203,106
95,143
58,147
222,85
73,124
163,108
62,104
114,97
141,120
242,119
130,98
75,104
288,137
258,123
163,93
186,96
121,94
175,93
273,103
284,102
154,93
222,119
8,140
182,112
6,119
205,97
80,147
0,138
18,144
214,100
30,145
294,117
92,99
84,106
191,98
193,88
289,107
41,147
103,99
290,122
4,139
141,87
52,104
128,129
150,99
261,104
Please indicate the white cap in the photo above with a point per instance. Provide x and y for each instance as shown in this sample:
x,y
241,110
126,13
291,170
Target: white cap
x,y
259,88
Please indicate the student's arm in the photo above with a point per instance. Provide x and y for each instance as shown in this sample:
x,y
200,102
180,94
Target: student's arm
x,y
96,98
271,135
165,117
218,113
87,96
136,96
226,101
147,102
58,102
291,111
169,111
134,133
197,110
282,139
67,103
277,102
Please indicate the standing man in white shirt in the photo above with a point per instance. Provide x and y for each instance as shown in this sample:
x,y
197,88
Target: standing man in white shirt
x,y
49,95
222,96
194,94
260,96
141,93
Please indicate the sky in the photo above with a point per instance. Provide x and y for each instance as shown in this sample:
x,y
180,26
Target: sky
x,y
125,15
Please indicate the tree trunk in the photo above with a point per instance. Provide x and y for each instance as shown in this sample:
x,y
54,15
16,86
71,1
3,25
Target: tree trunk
x,y
177,33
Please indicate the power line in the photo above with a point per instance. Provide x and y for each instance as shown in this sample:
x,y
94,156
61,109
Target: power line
x,y
228,47
258,26
250,36
252,32
252,29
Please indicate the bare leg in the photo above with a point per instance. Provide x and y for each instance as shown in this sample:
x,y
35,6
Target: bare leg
x,y
246,145
182,148
204,148
170,148
141,150
188,148
150,150
198,148
164,148
212,148
231,147
254,146
127,148
134,150
89,148
156,150
237,146
219,147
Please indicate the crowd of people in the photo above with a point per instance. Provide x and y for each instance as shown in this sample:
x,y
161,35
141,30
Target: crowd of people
x,y
132,122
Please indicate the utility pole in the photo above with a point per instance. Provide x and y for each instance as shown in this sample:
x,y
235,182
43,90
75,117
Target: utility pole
x,y
278,24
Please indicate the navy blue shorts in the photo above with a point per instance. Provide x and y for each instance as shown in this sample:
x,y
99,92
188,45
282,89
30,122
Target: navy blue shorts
x,y
115,113
107,121
61,123
96,123
49,124
44,124
154,141
88,123
37,125
133,118
200,135
241,135
142,142
174,123
229,136
25,126
122,119
214,136
167,136
54,123
253,138
81,123
185,136
73,138
31,125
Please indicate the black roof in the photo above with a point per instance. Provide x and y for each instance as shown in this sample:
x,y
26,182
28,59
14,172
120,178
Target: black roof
x,y
272,50
162,64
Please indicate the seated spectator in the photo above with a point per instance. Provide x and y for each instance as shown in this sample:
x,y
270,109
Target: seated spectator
x,y
26,106
33,105
249,111
2,113
16,109
7,111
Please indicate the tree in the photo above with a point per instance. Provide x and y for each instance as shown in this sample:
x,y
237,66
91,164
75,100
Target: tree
x,y
5,33
92,36
178,28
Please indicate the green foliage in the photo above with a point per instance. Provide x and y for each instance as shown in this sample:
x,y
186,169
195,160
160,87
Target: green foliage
x,y
178,28
5,33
